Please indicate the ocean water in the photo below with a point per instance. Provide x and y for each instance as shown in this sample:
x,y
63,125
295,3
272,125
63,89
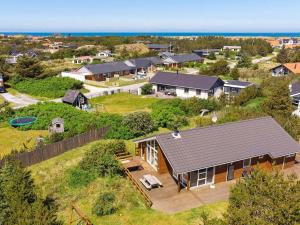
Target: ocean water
x,y
158,34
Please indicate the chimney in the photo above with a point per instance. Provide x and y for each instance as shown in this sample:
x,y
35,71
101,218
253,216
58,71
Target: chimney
x,y
176,133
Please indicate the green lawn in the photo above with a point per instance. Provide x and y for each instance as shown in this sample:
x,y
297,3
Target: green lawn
x,y
255,103
51,175
124,103
1,100
12,138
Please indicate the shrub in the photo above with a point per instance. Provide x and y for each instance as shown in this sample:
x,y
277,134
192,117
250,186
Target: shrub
x,y
246,95
245,61
29,67
193,106
147,89
51,87
219,68
235,73
140,123
100,159
105,204
203,121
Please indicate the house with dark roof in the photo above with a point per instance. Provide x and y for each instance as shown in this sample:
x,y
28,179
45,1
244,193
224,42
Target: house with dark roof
x,y
76,99
179,60
286,69
206,52
219,153
295,93
159,47
234,87
187,85
144,65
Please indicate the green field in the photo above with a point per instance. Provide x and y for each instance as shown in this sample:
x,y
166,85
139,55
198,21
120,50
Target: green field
x,y
12,138
124,103
51,177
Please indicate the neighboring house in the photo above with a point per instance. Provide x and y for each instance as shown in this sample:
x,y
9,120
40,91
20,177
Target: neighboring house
x,y
104,54
76,99
31,53
13,57
99,72
164,55
286,69
82,59
232,48
206,52
144,65
289,42
219,153
295,93
235,86
159,47
187,85
178,60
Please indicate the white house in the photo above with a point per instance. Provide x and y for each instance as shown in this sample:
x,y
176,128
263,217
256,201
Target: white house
x,y
187,85
235,86
234,48
104,54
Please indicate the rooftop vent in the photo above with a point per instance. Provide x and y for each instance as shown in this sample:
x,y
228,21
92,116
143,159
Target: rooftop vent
x,y
176,133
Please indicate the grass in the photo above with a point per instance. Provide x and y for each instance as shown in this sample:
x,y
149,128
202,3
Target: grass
x,y
124,103
255,103
1,100
12,138
114,82
51,177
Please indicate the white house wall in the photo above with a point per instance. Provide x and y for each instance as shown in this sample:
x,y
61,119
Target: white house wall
x,y
75,76
191,93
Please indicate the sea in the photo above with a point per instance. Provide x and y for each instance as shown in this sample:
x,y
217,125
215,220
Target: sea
x,y
155,34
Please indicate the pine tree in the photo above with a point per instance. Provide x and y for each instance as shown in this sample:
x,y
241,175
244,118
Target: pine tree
x,y
235,73
245,61
282,56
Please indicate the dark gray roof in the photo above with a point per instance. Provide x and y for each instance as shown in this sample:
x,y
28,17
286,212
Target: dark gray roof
x,y
145,62
108,67
71,96
157,46
186,80
216,145
206,50
238,83
295,88
185,58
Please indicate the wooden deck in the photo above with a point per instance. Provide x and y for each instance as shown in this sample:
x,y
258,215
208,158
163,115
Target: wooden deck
x,y
168,200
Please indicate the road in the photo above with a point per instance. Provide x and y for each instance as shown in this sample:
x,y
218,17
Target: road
x,y
19,101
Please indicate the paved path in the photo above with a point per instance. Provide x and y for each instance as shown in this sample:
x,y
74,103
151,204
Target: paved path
x,y
19,101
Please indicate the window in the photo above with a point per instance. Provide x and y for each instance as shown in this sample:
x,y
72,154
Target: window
x,y
186,90
198,92
246,163
290,155
58,125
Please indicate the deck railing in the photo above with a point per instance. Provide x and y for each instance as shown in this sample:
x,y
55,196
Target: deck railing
x,y
149,203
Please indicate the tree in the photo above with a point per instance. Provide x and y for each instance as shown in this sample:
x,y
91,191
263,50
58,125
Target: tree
x,y
140,123
124,53
264,199
19,202
29,68
147,89
219,68
105,204
245,61
235,74
212,56
282,56
278,101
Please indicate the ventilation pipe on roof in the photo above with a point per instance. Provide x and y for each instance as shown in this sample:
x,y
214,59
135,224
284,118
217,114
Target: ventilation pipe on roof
x,y
176,133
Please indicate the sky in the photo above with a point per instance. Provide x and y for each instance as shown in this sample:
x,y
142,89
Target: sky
x,y
149,16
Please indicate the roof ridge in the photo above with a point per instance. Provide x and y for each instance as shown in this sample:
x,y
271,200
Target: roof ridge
x,y
220,125
186,74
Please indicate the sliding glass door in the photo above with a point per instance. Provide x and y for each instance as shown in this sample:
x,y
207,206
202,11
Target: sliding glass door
x,y
152,158
202,177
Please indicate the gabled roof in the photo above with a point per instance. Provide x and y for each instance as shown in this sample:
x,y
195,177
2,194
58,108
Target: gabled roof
x,y
237,83
143,62
186,80
182,58
108,67
293,67
216,145
295,88
157,46
71,96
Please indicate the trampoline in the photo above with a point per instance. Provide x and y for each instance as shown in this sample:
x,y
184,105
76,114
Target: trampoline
x,y
22,121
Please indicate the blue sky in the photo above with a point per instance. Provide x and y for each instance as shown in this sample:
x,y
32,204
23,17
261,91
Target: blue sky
x,y
151,16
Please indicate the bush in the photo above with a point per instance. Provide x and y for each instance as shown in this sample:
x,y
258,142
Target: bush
x,y
140,123
29,67
219,68
147,89
193,106
246,95
245,61
105,204
100,159
51,87
203,121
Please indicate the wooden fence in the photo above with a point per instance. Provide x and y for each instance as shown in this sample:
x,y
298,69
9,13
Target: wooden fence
x,y
51,150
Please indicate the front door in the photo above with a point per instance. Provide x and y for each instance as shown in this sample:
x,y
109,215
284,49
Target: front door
x,y
230,172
